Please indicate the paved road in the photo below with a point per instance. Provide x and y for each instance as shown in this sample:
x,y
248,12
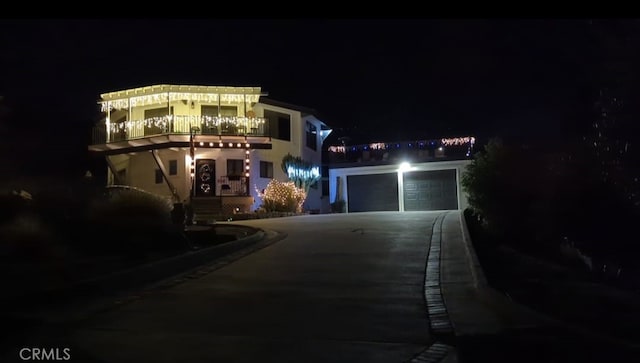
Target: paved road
x,y
338,288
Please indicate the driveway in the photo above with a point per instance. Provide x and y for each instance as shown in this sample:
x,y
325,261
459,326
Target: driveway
x,y
337,288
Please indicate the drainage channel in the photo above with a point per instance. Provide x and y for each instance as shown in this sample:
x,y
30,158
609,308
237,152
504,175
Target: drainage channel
x,y
439,321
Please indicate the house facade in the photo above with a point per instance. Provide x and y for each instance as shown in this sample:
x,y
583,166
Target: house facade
x,y
418,175
216,147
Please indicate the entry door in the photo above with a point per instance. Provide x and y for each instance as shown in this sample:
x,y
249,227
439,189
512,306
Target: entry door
x,y
205,177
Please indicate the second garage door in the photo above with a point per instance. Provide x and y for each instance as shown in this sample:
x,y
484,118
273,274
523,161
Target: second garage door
x,y
430,190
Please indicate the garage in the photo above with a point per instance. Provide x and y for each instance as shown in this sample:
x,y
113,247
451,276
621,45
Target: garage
x,y
430,190
373,192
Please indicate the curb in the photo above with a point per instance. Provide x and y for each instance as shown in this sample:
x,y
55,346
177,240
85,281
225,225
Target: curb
x,y
142,275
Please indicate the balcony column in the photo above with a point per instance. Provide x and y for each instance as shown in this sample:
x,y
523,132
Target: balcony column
x,y
128,116
108,122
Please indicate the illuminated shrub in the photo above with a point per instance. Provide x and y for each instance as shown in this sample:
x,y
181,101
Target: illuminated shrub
x,y
282,197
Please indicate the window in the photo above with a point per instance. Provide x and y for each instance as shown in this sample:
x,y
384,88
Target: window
x,y
222,111
312,136
266,169
173,167
235,167
279,125
158,176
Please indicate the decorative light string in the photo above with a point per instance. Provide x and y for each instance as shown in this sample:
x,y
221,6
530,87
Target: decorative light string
x,y
247,160
282,192
183,123
164,97
420,144
458,141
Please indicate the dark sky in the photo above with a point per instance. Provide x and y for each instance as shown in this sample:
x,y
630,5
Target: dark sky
x,y
373,80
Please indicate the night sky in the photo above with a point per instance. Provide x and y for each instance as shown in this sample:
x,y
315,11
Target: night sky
x,y
372,80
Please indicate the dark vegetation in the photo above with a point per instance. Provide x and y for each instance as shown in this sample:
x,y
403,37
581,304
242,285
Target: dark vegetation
x,y
57,232
552,235
552,205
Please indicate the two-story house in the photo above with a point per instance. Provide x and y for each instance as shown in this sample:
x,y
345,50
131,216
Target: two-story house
x,y
213,146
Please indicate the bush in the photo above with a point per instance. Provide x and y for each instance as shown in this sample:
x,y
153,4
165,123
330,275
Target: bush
x,y
282,197
26,239
131,222
12,204
339,206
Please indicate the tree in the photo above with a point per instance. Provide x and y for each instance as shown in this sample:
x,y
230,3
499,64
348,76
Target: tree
x,y
301,172
614,127
505,184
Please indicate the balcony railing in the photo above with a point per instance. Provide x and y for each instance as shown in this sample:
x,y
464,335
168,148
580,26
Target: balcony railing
x,y
233,185
180,124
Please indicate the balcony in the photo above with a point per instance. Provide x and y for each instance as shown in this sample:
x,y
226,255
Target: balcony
x,y
180,125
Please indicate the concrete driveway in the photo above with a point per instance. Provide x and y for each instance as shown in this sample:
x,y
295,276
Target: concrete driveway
x,y
337,288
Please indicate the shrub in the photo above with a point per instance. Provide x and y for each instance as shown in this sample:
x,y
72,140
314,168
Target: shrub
x,y
131,222
338,206
282,197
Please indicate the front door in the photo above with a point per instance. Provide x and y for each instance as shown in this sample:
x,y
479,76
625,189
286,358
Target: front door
x,y
205,177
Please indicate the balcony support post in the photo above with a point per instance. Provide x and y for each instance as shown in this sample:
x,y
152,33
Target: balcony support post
x,y
163,170
114,171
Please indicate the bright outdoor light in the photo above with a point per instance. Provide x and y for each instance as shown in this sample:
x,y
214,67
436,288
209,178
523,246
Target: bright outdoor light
x,y
404,166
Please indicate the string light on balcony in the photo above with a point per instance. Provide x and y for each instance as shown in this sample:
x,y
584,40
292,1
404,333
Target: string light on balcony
x,y
183,123
164,97
221,144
